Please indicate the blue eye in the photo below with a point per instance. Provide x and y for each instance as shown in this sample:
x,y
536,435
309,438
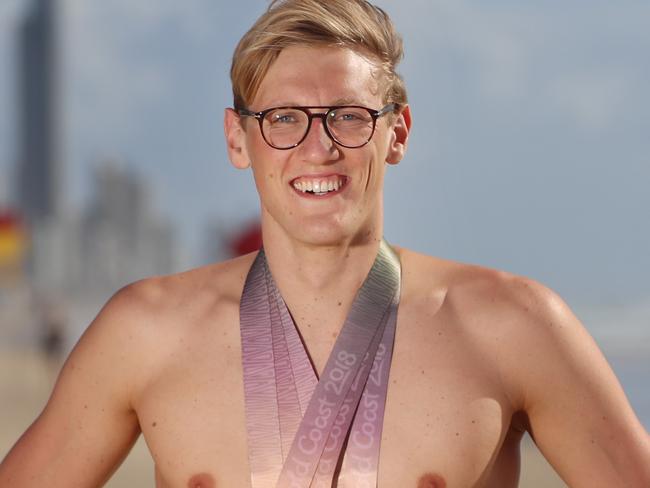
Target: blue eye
x,y
285,117
350,117
341,116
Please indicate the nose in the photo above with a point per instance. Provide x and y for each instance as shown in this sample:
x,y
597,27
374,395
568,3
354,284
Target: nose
x,y
318,143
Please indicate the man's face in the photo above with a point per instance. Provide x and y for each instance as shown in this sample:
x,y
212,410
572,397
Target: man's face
x,y
322,76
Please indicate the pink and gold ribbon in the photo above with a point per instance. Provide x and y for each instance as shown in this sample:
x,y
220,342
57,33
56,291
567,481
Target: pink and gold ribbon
x,y
304,432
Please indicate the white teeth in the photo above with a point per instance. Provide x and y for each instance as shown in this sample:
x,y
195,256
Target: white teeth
x,y
318,187
299,186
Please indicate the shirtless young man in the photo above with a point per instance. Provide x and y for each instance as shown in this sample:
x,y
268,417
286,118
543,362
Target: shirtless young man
x,y
479,356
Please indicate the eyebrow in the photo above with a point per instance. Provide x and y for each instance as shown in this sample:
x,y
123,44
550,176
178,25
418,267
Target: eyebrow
x,y
347,101
338,101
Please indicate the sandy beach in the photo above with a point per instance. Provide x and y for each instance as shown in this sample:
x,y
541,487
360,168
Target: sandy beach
x,y
25,383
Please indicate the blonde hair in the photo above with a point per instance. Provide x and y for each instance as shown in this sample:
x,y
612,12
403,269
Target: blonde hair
x,y
353,24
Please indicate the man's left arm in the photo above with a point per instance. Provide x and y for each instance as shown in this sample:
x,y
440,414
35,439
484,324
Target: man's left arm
x,y
579,415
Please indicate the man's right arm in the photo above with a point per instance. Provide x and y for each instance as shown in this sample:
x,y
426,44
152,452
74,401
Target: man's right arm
x,y
88,425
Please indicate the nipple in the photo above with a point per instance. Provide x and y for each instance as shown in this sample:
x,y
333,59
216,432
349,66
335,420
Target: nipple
x,y
202,480
431,480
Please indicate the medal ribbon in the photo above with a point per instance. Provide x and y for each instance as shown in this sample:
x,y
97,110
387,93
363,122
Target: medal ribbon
x,y
297,426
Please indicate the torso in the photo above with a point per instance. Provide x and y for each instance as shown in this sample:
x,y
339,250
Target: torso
x,y
451,417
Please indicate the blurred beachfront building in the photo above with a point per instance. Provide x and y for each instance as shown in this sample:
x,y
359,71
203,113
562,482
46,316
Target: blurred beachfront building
x,y
58,264
39,170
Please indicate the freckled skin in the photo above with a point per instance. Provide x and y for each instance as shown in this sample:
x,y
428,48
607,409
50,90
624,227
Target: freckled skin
x,y
202,480
431,480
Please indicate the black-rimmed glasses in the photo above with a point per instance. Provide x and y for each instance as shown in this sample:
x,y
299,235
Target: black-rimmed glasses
x,y
350,126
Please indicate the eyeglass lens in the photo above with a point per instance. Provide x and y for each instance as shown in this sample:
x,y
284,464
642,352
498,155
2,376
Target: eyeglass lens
x,y
349,126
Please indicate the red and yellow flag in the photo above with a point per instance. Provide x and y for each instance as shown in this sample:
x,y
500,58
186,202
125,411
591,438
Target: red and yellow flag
x,y
13,240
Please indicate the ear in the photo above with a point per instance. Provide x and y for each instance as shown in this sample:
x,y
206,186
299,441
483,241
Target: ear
x,y
235,139
399,137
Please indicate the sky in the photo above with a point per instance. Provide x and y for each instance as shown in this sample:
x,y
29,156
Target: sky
x,y
530,149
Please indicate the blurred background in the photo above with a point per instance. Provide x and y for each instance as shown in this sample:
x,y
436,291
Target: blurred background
x,y
530,152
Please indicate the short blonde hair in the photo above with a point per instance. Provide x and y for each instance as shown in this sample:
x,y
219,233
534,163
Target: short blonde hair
x,y
353,24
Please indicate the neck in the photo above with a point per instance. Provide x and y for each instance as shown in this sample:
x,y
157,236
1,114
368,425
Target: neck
x,y
330,274
319,281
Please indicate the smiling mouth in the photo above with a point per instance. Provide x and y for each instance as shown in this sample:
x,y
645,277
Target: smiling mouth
x,y
319,186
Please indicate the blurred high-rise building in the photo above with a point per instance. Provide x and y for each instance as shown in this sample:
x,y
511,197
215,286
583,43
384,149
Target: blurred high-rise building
x,y
64,260
123,237
38,189
32,231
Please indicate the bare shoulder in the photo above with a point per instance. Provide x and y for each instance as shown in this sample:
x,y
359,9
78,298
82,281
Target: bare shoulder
x,y
152,316
143,326
481,297
192,289
134,341
515,322
545,361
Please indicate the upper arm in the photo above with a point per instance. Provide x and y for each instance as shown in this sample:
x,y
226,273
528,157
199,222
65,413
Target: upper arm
x,y
88,425
579,415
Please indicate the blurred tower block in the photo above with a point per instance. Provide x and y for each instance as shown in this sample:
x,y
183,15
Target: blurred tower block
x,y
38,188
39,164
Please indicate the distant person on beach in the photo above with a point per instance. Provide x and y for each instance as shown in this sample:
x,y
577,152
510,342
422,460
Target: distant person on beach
x,y
51,338
331,358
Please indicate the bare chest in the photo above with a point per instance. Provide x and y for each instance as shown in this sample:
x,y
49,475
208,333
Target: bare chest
x,y
446,421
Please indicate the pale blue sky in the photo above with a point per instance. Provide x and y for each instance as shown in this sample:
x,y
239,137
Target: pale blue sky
x,y
531,143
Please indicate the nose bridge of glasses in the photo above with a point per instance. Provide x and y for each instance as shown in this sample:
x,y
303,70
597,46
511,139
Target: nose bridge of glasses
x,y
323,122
